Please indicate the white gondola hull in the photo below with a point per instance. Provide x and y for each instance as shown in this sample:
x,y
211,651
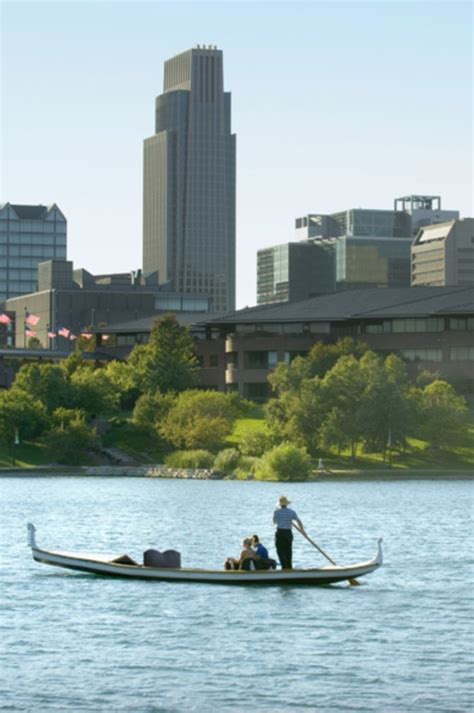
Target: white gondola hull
x,y
104,565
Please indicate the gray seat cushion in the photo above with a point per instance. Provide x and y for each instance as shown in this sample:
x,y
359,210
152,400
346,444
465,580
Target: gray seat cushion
x,y
155,558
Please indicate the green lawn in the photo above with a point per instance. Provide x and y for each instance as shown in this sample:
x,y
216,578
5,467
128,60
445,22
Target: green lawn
x,y
26,455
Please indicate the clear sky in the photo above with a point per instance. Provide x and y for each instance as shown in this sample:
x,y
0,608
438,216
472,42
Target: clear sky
x,y
335,105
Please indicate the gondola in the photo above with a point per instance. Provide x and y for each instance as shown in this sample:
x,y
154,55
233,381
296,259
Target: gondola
x,y
123,566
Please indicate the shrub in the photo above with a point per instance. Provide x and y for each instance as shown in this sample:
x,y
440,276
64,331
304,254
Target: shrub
x,y
190,459
255,443
284,462
247,466
69,437
227,460
151,409
200,419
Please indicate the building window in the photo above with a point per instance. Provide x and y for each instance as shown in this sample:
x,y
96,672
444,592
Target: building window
x,y
432,324
421,354
384,327
261,360
257,392
461,324
461,353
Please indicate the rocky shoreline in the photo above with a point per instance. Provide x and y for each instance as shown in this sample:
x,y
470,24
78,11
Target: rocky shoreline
x,y
162,471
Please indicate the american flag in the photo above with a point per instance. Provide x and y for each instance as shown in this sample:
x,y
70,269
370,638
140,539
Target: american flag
x,y
4,318
72,337
29,333
52,335
64,332
105,337
31,319
86,335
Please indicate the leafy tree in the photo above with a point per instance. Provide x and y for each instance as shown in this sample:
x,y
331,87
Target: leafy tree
x,y
47,383
20,411
151,409
167,362
443,415
70,436
120,375
343,389
284,462
321,358
200,419
386,410
93,392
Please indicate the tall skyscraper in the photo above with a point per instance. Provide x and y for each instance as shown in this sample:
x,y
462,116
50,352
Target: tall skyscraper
x,y
189,181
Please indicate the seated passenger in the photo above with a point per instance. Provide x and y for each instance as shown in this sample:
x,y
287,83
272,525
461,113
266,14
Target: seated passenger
x,y
263,560
247,559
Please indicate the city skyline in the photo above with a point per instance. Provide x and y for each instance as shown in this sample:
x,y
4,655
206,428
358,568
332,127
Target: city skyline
x,y
312,135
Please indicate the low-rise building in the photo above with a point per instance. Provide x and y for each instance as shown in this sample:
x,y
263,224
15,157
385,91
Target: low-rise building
x,y
72,301
429,327
443,254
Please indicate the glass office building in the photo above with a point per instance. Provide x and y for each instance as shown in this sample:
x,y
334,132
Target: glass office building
x,y
372,262
189,181
295,271
29,234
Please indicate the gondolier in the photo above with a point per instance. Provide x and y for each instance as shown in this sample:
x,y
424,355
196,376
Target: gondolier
x,y
283,517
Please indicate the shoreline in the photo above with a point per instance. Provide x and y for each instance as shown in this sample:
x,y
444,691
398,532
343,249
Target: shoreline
x,y
159,471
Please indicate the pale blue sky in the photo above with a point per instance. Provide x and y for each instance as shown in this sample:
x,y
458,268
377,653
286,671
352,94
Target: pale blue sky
x,y
335,105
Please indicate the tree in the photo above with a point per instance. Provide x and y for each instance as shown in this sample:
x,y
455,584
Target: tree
x,y
386,409
321,358
19,411
93,392
69,436
284,462
443,415
200,419
167,362
120,375
47,383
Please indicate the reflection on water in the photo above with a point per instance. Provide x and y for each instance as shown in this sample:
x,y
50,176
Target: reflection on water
x,y
75,642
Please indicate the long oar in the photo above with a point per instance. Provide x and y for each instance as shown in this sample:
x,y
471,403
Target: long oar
x,y
352,581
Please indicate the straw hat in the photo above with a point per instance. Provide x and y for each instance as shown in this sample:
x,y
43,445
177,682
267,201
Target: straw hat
x,y
283,501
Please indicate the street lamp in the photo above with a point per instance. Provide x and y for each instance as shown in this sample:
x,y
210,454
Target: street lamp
x,y
16,442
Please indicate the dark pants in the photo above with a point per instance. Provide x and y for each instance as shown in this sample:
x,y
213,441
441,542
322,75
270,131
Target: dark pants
x,y
283,544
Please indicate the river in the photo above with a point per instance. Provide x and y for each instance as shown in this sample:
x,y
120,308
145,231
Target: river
x,y
74,642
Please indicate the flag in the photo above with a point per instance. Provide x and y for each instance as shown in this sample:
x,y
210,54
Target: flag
x,y
4,318
72,337
63,332
105,337
86,335
52,335
29,333
31,319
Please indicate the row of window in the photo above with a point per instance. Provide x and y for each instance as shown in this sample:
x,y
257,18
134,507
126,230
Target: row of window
x,y
17,226
48,251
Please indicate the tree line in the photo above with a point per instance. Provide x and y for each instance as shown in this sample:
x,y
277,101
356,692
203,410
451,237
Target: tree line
x,y
341,396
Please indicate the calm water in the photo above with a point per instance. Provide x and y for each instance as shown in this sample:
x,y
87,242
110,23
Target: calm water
x,y
402,642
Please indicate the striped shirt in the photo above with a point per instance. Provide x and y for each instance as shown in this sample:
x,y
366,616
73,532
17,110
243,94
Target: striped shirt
x,y
283,517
